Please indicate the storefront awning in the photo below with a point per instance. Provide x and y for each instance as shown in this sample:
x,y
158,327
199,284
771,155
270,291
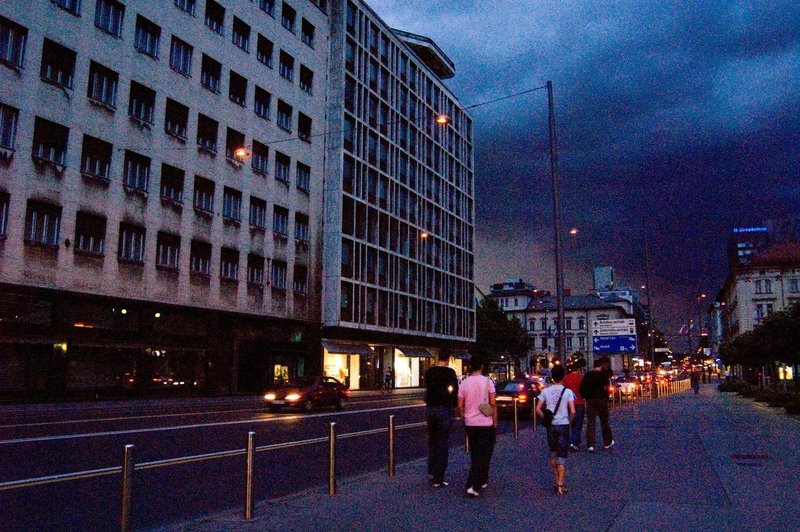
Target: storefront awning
x,y
462,355
339,348
415,352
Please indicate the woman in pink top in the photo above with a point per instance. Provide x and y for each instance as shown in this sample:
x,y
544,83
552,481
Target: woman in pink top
x,y
481,429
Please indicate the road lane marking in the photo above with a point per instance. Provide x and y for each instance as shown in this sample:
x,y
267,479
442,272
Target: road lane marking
x,y
193,426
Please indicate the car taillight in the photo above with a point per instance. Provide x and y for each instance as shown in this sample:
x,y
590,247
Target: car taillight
x,y
522,397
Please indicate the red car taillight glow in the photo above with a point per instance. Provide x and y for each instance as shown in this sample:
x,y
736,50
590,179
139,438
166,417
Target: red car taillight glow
x,y
522,398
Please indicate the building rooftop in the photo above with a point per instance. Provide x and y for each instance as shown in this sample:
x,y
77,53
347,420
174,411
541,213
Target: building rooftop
x,y
572,303
783,254
430,54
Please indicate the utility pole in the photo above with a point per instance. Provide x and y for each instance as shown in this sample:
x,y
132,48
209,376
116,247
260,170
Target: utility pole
x,y
556,226
651,321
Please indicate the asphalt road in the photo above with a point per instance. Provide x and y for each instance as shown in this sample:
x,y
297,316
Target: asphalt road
x,y
89,438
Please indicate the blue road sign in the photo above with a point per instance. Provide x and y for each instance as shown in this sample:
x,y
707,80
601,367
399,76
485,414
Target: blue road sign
x,y
614,344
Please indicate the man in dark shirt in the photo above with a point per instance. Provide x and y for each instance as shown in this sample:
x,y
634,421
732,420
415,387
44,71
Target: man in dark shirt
x,y
594,389
441,396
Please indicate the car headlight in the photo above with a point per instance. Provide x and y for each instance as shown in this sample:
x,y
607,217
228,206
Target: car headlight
x,y
269,397
293,397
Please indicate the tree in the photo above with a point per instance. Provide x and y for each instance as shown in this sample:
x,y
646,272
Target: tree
x,y
498,334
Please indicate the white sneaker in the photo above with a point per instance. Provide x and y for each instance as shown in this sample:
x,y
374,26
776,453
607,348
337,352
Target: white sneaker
x,y
610,445
472,493
590,449
484,486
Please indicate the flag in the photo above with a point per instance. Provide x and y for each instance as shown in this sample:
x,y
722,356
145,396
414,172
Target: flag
x,y
684,329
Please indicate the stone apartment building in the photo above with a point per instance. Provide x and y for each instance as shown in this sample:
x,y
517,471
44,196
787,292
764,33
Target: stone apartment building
x,y
164,206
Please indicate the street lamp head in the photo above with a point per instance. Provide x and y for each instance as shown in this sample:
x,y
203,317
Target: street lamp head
x,y
442,119
241,152
573,231
423,235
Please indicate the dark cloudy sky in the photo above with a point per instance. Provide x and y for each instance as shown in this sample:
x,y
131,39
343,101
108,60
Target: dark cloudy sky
x,y
681,116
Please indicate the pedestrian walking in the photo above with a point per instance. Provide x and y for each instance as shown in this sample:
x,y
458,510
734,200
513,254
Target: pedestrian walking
x,y
573,381
694,378
441,397
595,389
476,397
560,400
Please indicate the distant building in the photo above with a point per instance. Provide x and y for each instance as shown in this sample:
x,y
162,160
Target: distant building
x,y
744,243
603,278
753,291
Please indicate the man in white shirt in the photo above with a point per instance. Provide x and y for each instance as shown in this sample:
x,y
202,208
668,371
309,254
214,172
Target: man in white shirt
x,y
560,401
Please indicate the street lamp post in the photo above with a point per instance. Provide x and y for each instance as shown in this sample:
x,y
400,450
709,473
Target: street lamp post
x,y
556,226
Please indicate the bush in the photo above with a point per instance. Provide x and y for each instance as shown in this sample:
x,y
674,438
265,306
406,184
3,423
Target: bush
x,y
746,390
793,406
764,396
782,398
729,386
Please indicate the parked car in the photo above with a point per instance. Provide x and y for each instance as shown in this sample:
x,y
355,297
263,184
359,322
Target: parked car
x,y
627,385
524,390
307,393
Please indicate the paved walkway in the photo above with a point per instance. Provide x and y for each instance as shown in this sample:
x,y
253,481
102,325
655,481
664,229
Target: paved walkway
x,y
684,462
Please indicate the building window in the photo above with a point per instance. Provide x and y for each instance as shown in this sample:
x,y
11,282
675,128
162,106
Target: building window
x,y
759,312
96,158
286,66
229,264
108,16
147,37
72,6
168,251
210,73
349,131
180,57
307,33
102,85
5,202
350,56
288,16
567,323
301,227
264,49
131,242
280,221
241,34
543,324
58,64
544,343
136,174
581,342
261,102
172,183
304,127
282,167
303,176
581,323
42,223
231,204
8,126
306,79
346,302
794,285
255,269
767,286
278,275
186,5
285,116
234,140
203,194
758,286
267,6
260,159
142,103
258,212
215,17
300,283
531,324
769,309
237,91
176,119
207,133
12,43
50,141
200,257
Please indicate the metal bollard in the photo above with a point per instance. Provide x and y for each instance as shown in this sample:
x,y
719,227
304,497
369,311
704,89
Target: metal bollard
x,y
391,446
332,459
533,412
248,476
127,486
516,420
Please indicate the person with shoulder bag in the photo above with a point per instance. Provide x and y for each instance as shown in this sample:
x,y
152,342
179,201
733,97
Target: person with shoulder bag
x,y
477,407
557,409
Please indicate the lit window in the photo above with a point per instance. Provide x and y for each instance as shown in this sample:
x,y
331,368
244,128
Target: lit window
x,y
96,158
241,34
108,16
42,223
58,64
200,258
136,174
168,251
229,264
172,183
231,204
258,212
147,37
141,103
203,194
131,242
280,221
12,42
180,56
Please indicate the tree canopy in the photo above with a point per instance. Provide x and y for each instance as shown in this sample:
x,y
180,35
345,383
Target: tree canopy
x,y
775,339
498,334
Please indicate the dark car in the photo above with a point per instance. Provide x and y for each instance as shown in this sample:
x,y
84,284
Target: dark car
x,y
307,393
525,391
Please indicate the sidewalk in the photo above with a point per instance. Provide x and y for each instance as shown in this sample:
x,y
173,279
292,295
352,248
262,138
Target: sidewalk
x,y
709,462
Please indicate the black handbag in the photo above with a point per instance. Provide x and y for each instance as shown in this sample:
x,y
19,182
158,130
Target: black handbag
x,y
548,415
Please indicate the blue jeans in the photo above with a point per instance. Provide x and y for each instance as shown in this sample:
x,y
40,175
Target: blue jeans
x,y
577,425
439,420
